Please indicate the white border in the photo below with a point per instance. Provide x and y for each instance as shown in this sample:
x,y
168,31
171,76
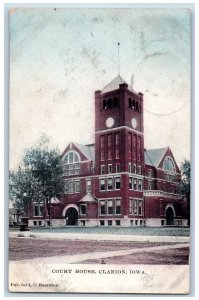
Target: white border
x,y
195,148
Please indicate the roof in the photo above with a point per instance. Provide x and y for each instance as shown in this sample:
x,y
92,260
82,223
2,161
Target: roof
x,y
87,150
54,200
114,85
88,198
153,157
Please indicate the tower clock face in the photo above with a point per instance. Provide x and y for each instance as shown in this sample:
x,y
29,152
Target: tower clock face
x,y
134,123
109,122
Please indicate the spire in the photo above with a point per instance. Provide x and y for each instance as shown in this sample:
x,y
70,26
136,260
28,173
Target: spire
x,y
118,45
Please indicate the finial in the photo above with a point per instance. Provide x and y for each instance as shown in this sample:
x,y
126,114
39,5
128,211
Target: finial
x,y
118,44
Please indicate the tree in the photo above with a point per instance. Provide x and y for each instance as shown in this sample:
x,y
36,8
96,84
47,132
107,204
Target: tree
x,y
23,188
46,166
42,177
185,184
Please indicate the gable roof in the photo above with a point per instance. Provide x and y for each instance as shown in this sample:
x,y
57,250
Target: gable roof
x,y
87,150
152,157
114,85
88,198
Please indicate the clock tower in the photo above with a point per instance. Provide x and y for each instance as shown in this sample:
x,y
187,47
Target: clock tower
x,y
119,128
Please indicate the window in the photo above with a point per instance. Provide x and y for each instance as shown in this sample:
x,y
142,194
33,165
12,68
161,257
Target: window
x,y
109,141
129,144
140,185
162,222
149,173
109,153
73,186
117,139
40,223
117,153
101,222
102,141
70,187
110,207
76,169
70,158
77,186
117,168
168,165
82,222
66,187
139,146
38,210
102,155
117,183
102,207
131,222
135,184
109,169
135,206
139,142
130,183
35,223
117,222
103,169
139,170
110,222
130,206
140,207
129,169
134,141
71,163
88,185
110,183
136,222
149,185
134,169
82,209
117,143
117,207
102,184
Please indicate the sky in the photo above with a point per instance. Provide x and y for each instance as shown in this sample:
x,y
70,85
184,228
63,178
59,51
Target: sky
x,y
58,58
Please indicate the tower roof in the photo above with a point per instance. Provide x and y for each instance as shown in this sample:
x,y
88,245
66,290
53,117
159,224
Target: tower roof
x,y
114,85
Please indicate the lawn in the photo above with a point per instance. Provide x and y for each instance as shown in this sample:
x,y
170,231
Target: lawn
x,y
156,231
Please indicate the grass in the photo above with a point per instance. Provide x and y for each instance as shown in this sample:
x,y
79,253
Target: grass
x,y
157,231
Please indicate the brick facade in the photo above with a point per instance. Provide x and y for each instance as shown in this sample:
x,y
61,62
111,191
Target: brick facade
x,y
116,182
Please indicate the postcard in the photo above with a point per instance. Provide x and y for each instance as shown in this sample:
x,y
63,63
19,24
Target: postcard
x,y
99,147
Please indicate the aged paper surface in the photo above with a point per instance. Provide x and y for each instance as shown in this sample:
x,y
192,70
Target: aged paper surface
x,y
59,58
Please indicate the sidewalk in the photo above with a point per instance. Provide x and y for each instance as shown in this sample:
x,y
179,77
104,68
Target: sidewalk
x,y
102,237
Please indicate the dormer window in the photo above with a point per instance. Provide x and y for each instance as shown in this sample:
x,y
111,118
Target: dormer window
x,y
71,163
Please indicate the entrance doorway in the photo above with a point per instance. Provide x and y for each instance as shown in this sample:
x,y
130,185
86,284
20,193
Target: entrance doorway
x,y
169,216
71,216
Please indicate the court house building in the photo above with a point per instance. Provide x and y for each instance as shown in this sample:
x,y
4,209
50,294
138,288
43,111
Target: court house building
x,y
116,181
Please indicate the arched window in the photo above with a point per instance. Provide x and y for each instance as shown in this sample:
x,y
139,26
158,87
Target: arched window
x,y
168,165
115,102
71,163
110,103
130,102
104,104
133,104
